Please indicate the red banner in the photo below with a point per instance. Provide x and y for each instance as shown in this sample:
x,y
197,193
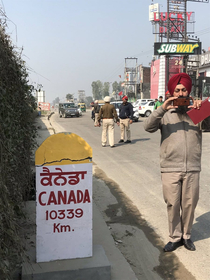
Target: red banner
x,y
44,106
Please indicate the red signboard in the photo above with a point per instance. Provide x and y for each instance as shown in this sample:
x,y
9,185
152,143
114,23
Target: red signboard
x,y
44,106
172,16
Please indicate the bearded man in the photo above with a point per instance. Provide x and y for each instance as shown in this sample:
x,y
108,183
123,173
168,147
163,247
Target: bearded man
x,y
180,160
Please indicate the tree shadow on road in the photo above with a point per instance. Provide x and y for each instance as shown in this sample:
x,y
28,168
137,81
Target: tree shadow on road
x,y
201,227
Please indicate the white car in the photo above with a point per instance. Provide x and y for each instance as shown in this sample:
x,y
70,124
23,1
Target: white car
x,y
146,108
135,110
135,114
138,102
116,105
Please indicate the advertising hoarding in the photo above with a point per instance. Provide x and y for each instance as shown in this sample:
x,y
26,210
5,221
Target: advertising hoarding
x,y
40,96
205,59
177,48
154,8
200,1
44,106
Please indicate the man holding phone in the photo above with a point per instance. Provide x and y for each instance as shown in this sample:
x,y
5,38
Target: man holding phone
x,y
180,160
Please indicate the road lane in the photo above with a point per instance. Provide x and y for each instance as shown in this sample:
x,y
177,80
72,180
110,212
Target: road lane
x,y
135,168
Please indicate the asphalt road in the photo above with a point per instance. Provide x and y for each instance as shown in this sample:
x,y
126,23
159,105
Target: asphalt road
x,y
135,169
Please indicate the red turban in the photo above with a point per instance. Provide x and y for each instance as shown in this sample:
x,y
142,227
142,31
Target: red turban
x,y
181,78
125,97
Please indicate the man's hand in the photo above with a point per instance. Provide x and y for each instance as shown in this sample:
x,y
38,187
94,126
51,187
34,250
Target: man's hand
x,y
196,104
168,104
131,121
118,123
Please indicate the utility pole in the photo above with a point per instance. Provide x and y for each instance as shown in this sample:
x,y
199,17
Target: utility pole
x,y
167,56
130,76
185,36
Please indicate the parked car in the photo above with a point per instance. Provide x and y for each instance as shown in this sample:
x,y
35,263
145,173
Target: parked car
x,y
68,110
117,105
135,110
138,102
135,114
146,108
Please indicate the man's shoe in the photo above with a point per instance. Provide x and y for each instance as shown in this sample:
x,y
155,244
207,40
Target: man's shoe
x,y
103,145
188,244
128,141
121,141
171,246
113,146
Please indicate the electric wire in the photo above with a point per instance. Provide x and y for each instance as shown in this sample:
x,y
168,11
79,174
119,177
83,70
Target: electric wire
x,y
121,65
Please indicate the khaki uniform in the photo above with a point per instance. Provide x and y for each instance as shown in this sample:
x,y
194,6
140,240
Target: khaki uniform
x,y
96,119
108,114
125,115
96,109
125,128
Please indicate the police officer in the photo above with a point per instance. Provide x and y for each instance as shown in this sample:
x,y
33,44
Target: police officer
x,y
108,114
126,118
96,109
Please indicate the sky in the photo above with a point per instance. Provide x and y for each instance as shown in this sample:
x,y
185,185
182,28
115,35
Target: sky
x,y
68,44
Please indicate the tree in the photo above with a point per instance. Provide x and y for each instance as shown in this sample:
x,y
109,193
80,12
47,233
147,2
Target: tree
x,y
88,100
69,97
17,144
97,88
116,87
105,89
57,100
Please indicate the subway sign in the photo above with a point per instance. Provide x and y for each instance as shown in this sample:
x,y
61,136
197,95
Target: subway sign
x,y
177,48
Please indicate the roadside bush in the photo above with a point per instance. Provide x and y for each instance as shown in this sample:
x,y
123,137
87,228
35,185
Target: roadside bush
x,y
17,139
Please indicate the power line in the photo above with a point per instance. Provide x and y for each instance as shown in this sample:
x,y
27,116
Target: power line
x,y
115,71
31,70
121,66
203,30
3,5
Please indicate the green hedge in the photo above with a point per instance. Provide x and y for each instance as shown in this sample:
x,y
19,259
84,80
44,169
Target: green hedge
x,y
17,140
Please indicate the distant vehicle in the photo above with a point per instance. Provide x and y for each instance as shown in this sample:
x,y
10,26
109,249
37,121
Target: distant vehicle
x,y
146,108
135,114
80,111
135,110
138,102
82,106
68,110
116,105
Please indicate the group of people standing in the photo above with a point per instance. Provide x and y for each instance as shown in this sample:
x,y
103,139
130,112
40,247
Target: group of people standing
x,y
180,153
109,115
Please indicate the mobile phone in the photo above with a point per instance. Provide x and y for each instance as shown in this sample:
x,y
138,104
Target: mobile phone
x,y
182,101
